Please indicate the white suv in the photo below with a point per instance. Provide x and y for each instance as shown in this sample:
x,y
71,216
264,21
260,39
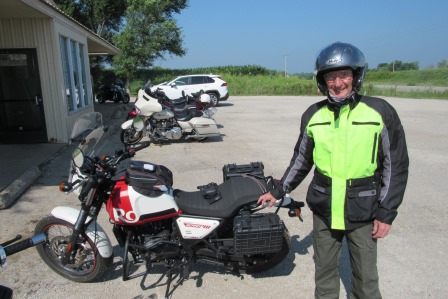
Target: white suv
x,y
211,84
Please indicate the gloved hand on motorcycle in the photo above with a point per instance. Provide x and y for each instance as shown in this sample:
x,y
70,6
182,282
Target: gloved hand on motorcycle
x,y
275,192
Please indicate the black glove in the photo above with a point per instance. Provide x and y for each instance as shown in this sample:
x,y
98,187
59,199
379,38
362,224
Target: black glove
x,y
276,189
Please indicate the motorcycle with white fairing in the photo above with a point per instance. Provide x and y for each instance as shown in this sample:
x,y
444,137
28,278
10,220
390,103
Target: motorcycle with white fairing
x,y
156,224
164,123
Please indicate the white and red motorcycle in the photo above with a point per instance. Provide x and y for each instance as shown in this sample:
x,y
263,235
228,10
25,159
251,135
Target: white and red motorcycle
x,y
163,122
159,225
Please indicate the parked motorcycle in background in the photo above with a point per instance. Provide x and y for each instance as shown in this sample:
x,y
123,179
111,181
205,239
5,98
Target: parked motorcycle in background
x,y
115,92
165,122
156,224
11,247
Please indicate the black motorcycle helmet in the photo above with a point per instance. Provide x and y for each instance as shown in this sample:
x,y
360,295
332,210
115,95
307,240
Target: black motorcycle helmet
x,y
339,56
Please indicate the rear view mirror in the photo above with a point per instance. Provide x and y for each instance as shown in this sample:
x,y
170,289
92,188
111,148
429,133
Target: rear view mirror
x,y
78,157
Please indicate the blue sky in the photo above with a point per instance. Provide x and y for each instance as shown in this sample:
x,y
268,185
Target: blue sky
x,y
274,33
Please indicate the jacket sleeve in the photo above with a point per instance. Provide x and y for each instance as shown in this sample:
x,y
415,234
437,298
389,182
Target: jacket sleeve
x,y
395,164
302,159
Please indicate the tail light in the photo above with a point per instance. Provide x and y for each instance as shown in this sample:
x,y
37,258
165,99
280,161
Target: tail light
x,y
224,84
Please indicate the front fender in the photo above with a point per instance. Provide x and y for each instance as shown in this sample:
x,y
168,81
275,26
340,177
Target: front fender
x,y
127,124
94,231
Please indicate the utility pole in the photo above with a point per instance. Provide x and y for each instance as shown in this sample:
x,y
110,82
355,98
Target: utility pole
x,y
286,73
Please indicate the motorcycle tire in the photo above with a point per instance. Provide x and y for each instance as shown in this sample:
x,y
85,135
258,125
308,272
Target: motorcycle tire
x,y
267,261
129,136
126,99
89,264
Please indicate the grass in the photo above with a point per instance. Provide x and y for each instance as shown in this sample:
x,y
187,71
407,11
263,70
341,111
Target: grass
x,y
276,84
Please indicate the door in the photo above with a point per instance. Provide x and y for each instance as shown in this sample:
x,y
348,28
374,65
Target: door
x,y
22,118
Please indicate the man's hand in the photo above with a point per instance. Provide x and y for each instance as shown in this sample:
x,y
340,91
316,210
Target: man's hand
x,y
266,198
380,229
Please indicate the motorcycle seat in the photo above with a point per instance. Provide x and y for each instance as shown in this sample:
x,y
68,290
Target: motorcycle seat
x,y
187,114
235,193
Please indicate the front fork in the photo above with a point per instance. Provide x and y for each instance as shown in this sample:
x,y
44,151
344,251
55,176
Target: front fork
x,y
78,228
80,224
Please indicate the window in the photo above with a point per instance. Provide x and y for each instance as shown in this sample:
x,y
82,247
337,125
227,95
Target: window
x,y
197,80
182,81
75,74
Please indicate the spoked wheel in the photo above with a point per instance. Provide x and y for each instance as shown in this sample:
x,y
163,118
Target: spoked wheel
x,y
87,264
263,262
130,136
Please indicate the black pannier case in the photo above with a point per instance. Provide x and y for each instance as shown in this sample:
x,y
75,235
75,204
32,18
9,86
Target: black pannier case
x,y
258,233
147,178
253,169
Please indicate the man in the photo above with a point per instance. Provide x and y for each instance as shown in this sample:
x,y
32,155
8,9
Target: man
x,y
358,147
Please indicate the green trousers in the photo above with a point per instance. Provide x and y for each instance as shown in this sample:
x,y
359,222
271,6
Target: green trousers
x,y
363,259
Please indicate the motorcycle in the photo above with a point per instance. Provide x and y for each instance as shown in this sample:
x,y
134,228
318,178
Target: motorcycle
x,y
157,224
11,247
199,101
115,92
163,122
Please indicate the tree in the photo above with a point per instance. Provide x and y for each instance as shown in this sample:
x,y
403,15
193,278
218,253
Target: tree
x,y
398,65
150,33
104,17
442,64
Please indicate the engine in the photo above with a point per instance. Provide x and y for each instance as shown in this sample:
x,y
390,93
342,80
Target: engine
x,y
157,237
165,128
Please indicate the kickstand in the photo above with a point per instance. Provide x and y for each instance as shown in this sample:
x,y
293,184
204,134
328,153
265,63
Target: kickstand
x,y
168,284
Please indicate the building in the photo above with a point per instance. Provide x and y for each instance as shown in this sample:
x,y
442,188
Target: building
x,y
45,82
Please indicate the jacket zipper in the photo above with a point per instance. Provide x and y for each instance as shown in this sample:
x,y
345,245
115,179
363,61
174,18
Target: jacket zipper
x,y
375,139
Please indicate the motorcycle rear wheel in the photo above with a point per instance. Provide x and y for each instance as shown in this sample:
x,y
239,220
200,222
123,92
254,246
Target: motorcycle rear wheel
x,y
89,265
265,262
130,136
126,99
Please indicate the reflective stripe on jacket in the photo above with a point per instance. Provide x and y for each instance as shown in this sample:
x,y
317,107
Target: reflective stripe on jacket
x,y
361,160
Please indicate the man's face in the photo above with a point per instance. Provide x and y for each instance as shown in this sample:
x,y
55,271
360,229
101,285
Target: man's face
x,y
339,82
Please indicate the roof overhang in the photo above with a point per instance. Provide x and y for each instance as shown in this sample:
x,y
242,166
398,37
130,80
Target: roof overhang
x,y
24,9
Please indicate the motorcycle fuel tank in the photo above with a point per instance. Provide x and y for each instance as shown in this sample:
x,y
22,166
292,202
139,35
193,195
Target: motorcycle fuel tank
x,y
128,207
164,114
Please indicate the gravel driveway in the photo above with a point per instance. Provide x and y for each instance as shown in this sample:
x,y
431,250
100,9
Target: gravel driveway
x,y
412,259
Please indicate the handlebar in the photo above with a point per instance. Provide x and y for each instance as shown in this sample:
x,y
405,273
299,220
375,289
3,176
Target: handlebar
x,y
11,247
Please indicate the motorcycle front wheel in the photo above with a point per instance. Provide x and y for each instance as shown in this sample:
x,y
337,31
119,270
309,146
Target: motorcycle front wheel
x,y
86,266
130,136
264,262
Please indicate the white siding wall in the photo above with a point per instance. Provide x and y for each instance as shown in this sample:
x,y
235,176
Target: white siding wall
x,y
43,34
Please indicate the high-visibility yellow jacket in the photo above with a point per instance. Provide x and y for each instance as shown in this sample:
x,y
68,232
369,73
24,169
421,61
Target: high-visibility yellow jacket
x,y
360,157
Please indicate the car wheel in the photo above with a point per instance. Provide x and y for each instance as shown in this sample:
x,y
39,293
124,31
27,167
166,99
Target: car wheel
x,y
215,99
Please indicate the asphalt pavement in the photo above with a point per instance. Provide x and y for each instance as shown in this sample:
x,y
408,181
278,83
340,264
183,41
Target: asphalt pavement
x,y
412,259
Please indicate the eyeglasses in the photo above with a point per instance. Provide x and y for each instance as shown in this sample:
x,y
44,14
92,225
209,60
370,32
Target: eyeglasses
x,y
331,77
